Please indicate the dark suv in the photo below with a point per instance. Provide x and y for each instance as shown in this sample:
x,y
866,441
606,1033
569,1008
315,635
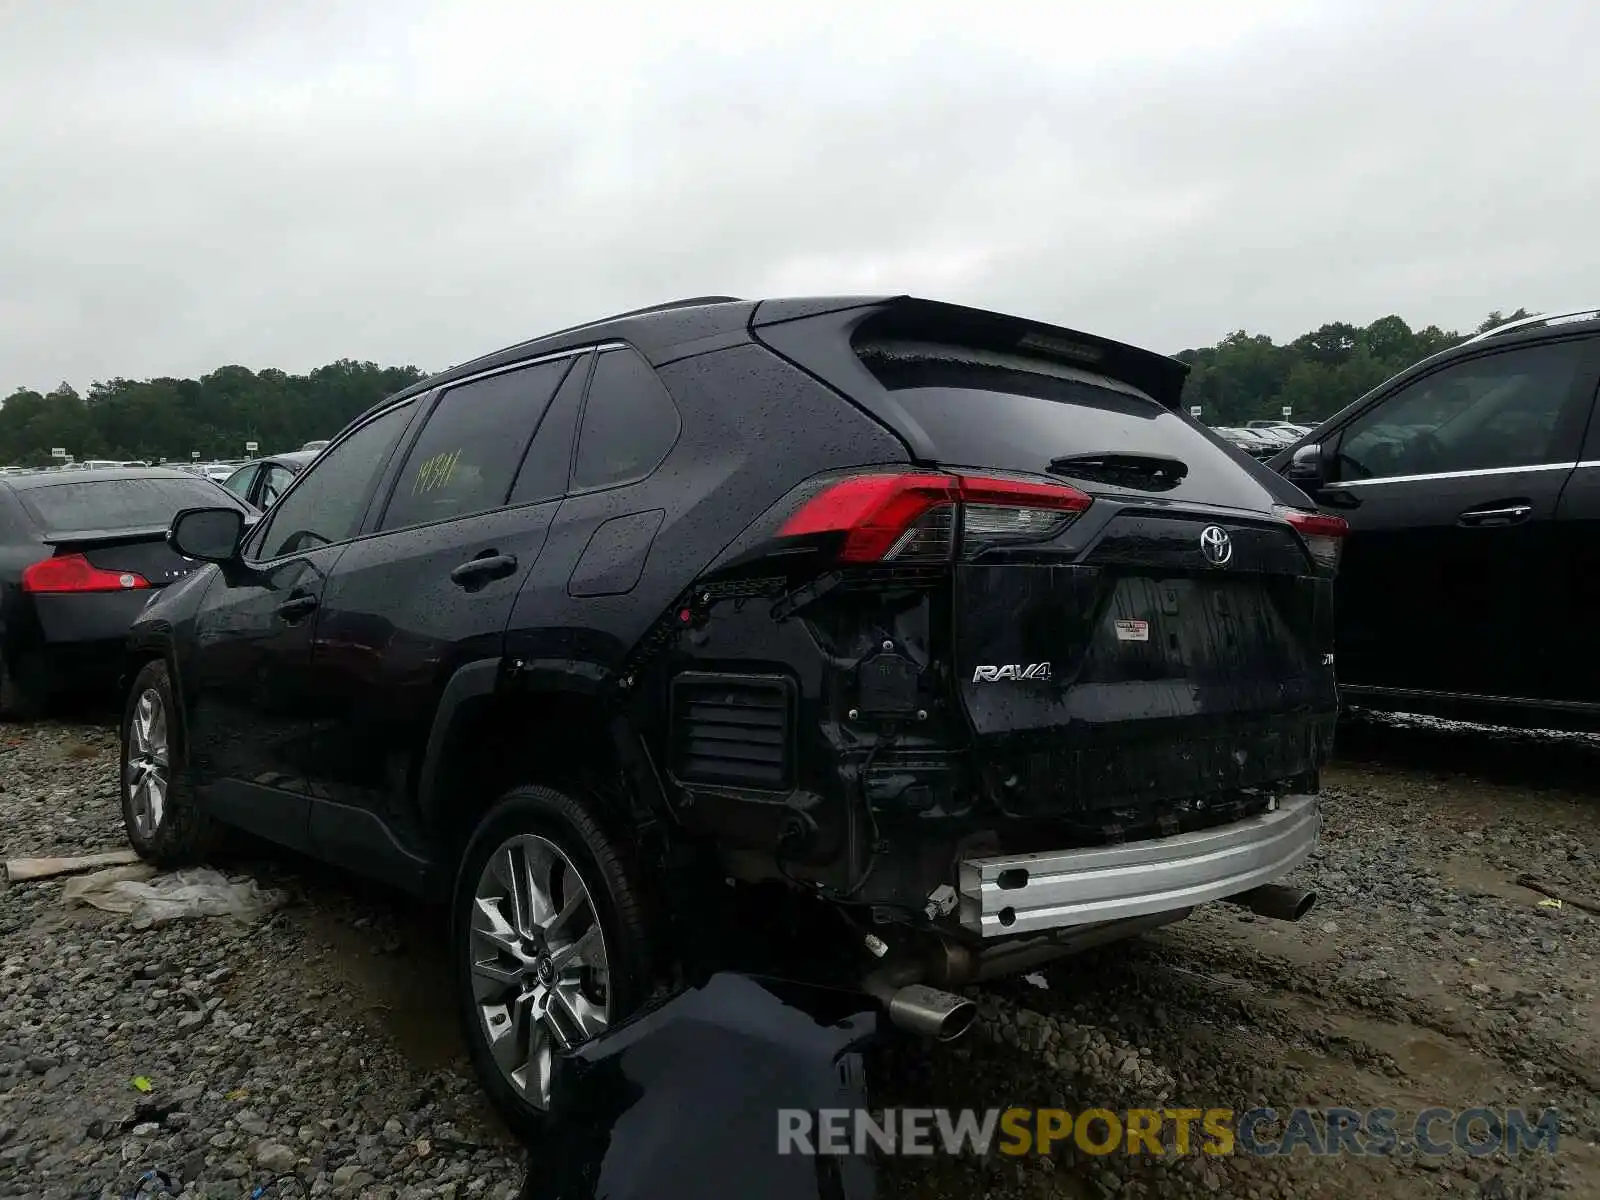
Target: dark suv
x,y
1471,484
949,624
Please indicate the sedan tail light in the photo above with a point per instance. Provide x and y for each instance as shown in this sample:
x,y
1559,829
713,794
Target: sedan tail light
x,y
1323,535
75,573
916,517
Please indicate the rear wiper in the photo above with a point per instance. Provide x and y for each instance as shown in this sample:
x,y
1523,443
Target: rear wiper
x,y
1124,468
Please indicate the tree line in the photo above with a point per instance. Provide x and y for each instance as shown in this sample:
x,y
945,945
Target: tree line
x,y
1248,376
216,414
1243,377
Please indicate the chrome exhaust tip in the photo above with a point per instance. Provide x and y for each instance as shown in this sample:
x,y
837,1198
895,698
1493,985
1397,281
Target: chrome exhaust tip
x,y
931,1012
1276,901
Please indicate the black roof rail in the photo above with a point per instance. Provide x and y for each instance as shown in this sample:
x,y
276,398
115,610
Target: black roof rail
x,y
691,302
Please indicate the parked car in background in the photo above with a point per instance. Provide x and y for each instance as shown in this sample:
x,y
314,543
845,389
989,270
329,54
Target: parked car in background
x,y
1279,430
1471,484
872,604
1251,441
220,470
263,481
80,554
314,446
1281,435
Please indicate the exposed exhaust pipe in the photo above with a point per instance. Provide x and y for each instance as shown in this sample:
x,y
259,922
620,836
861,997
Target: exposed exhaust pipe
x,y
956,964
920,1009
1276,901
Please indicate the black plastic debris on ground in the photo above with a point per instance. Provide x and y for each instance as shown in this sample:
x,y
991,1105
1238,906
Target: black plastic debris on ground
x,y
684,1099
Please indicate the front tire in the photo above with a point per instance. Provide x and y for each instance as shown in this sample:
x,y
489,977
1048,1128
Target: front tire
x,y
549,944
163,823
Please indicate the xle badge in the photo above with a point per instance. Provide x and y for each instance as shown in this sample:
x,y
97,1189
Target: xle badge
x,y
1039,671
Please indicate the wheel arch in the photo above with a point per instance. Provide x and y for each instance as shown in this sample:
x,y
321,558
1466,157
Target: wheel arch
x,y
490,735
139,652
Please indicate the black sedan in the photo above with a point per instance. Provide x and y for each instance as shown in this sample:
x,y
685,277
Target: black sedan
x,y
81,553
261,482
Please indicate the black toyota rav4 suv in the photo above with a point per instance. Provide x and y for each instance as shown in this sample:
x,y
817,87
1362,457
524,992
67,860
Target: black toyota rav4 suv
x,y
950,627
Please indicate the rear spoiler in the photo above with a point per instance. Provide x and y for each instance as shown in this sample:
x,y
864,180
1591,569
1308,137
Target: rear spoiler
x,y
103,537
909,317
821,336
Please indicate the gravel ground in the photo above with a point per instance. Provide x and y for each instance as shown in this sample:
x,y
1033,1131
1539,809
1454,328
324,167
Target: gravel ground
x,y
316,1050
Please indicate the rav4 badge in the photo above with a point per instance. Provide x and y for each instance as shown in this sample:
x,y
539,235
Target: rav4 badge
x,y
1039,670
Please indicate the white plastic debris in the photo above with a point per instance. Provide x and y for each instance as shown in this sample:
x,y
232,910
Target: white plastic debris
x,y
18,870
152,899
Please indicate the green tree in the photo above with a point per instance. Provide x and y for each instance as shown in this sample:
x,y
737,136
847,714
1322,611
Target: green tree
x,y
215,414
1247,377
1243,377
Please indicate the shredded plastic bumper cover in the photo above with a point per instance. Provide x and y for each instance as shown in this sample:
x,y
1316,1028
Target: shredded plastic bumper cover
x,y
1024,893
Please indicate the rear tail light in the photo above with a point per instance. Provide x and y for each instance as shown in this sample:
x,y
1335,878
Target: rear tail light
x,y
75,573
917,517
1323,535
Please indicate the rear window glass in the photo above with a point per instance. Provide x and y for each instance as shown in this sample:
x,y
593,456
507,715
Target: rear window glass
x,y
1010,413
119,503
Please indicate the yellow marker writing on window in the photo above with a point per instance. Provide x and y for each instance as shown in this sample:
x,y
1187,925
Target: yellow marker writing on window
x,y
435,473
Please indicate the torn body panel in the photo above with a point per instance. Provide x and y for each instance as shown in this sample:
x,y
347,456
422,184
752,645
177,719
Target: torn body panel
x,y
684,1099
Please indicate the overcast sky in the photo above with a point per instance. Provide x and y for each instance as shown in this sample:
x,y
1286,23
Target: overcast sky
x,y
188,183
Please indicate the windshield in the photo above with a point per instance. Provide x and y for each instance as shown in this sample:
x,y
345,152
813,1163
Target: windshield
x,y
119,503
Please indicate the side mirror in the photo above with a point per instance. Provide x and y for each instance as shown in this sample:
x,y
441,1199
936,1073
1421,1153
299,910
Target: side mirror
x,y
1306,468
209,534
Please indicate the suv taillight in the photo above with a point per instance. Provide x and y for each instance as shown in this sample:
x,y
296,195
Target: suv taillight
x,y
913,517
1323,535
75,573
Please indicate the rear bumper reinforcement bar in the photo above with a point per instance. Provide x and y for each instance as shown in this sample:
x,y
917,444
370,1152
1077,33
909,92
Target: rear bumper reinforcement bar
x,y
1020,893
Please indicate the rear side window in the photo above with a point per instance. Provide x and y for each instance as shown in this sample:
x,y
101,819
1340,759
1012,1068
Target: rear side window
x,y
119,503
629,423
239,482
548,462
275,480
467,454
1009,412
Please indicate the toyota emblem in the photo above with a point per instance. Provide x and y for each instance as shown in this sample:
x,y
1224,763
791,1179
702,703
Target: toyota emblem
x,y
1216,545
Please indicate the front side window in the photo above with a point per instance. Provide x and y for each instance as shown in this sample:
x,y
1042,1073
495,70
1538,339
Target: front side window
x,y
332,493
1518,408
467,454
629,423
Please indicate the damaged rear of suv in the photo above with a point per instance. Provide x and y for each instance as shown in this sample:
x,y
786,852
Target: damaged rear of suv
x,y
1059,677
945,622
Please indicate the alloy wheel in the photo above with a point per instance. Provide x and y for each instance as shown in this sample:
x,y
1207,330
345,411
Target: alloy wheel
x,y
540,974
148,766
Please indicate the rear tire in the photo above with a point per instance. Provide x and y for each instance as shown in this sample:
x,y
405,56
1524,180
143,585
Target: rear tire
x,y
164,824
549,944
20,698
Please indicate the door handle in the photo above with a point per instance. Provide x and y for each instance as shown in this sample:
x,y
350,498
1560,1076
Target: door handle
x,y
296,608
1509,514
488,566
